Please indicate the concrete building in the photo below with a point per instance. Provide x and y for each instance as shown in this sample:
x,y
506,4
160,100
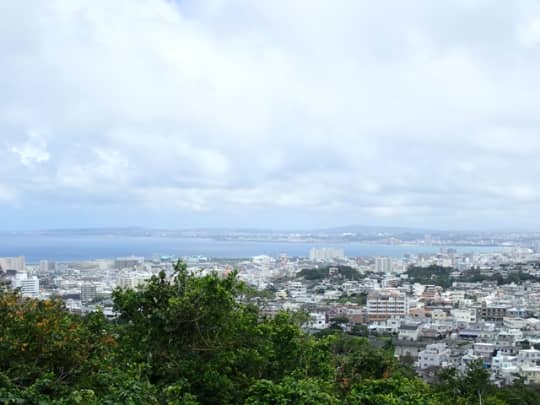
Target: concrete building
x,y
29,286
409,331
13,263
434,355
530,356
43,266
386,303
493,312
383,265
88,293
317,320
484,350
128,262
464,316
326,254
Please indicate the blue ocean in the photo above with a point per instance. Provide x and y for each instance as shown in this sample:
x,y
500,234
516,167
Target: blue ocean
x,y
76,248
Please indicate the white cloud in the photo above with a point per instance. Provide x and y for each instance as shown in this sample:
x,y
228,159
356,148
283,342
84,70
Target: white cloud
x,y
355,111
33,151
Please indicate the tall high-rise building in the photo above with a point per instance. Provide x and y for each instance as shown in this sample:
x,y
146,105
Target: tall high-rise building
x,y
43,266
383,265
326,254
88,293
13,263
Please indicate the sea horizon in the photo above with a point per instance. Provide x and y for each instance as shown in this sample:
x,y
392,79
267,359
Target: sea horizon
x,y
85,248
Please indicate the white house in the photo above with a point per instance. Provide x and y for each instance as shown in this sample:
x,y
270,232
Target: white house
x,y
434,355
317,320
409,331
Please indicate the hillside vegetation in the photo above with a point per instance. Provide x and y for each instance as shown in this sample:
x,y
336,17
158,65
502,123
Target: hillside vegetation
x,y
343,272
198,340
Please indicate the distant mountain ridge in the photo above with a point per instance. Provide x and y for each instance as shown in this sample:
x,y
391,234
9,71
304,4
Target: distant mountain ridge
x,y
142,231
357,230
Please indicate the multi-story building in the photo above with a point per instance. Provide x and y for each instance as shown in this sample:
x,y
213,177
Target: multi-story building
x,y
493,312
128,262
386,303
326,254
13,263
28,286
409,331
464,316
88,293
43,266
434,355
317,320
531,356
484,350
383,265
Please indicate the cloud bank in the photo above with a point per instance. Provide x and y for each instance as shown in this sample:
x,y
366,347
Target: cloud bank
x,y
274,114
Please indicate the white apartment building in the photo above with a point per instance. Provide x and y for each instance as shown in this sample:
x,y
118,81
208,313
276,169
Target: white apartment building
x,y
464,315
29,286
484,350
132,280
13,263
388,326
317,320
43,266
327,254
263,260
409,331
296,289
434,355
515,323
383,265
531,356
386,303
531,373
504,367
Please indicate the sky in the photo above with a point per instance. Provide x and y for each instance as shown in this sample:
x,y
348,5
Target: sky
x,y
271,114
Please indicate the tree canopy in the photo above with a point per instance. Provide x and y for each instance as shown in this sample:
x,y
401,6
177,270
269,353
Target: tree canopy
x,y
343,272
187,339
434,275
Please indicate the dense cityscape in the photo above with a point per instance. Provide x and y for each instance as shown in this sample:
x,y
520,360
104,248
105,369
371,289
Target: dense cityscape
x,y
438,310
285,202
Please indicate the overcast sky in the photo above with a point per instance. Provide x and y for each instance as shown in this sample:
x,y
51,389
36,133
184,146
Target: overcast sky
x,y
282,113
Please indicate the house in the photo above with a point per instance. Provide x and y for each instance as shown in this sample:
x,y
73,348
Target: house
x,y
484,350
317,320
434,355
409,331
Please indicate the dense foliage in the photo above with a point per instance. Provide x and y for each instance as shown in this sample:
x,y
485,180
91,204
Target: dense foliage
x,y
475,275
343,272
434,275
439,275
197,340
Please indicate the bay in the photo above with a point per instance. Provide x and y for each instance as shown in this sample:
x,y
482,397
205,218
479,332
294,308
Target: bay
x,y
79,248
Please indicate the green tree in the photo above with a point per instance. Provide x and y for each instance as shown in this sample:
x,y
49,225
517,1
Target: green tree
x,y
196,330
291,391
